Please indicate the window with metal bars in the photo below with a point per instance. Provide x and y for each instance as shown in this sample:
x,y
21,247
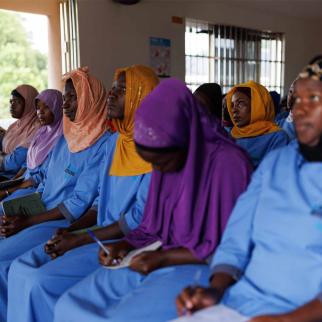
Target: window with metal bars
x,y
230,55
69,35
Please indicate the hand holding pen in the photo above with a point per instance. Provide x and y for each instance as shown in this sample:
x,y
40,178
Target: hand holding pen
x,y
111,254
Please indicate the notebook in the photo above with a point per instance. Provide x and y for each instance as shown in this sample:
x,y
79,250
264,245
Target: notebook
x,y
127,259
27,205
11,183
216,313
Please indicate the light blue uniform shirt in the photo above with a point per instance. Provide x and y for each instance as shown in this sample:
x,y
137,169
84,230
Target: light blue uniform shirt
x,y
70,180
273,241
120,198
257,147
13,162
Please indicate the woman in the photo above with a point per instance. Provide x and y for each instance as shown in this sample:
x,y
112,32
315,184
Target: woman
x,y
19,135
266,268
70,180
198,175
48,105
286,123
252,112
209,95
125,179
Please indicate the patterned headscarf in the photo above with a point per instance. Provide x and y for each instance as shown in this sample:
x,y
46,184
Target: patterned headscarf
x,y
48,135
262,112
140,81
22,132
91,115
313,71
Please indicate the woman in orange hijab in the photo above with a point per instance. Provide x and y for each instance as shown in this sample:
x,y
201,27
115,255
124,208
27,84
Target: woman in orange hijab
x,y
251,109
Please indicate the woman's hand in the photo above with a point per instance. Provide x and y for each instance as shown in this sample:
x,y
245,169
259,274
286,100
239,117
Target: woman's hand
x,y
117,251
11,225
147,262
62,243
192,299
25,184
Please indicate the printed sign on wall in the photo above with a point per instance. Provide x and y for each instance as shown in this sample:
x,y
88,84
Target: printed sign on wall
x,y
160,56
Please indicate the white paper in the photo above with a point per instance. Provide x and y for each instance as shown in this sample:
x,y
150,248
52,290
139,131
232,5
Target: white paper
x,y
216,313
127,259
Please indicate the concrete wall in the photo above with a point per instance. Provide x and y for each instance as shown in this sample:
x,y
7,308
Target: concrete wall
x,y
114,35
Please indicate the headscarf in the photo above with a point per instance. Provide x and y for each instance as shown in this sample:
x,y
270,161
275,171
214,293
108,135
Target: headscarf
x,y
212,92
47,136
188,208
313,71
91,115
21,132
262,112
140,81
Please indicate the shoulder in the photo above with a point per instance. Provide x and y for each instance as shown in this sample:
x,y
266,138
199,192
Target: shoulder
x,y
281,154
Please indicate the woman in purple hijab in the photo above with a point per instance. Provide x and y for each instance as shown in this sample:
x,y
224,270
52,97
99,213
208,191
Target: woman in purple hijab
x,y
198,174
48,105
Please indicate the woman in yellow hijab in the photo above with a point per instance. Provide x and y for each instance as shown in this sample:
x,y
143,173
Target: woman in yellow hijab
x,y
251,109
136,82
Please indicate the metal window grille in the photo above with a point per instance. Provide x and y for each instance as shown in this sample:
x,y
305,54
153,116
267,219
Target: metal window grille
x,y
231,55
69,35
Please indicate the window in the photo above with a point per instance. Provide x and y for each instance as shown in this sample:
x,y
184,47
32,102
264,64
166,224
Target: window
x,y
231,55
69,35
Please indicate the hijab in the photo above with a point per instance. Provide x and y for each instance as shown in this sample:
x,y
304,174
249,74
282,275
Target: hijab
x,y
188,208
47,136
262,112
91,115
140,81
22,131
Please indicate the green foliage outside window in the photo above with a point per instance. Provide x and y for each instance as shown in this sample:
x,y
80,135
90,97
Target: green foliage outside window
x,y
20,63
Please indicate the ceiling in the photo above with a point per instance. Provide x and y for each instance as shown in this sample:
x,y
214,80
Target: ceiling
x,y
305,9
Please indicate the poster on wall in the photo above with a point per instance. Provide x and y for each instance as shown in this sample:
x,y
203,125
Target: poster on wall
x,y
160,56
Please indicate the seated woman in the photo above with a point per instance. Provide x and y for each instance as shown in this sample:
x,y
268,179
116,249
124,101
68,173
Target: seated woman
x,y
70,180
225,119
268,265
252,112
124,183
198,175
209,95
48,105
19,135
286,123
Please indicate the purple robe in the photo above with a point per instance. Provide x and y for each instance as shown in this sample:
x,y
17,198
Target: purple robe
x,y
189,208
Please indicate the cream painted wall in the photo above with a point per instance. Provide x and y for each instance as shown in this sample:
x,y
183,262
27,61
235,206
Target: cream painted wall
x,y
49,8
113,35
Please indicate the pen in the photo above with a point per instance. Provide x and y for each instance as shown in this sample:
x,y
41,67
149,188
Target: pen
x,y
98,241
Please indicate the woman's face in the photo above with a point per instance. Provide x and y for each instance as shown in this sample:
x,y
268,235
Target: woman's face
x,y
164,162
241,109
307,111
17,106
116,98
44,114
70,101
